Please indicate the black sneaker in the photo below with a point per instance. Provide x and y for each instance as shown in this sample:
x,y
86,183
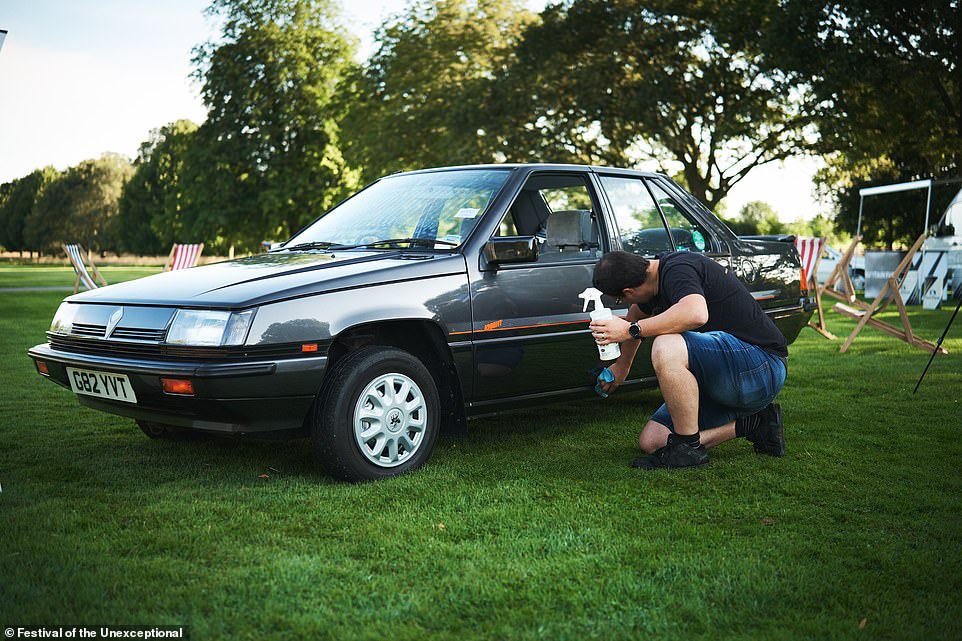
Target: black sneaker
x,y
769,437
675,454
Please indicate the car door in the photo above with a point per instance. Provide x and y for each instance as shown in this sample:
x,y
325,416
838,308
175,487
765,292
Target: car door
x,y
651,219
530,334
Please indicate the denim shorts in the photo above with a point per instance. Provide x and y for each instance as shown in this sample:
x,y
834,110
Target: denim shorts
x,y
734,378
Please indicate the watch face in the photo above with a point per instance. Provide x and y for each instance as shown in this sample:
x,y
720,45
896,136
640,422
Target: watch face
x,y
634,330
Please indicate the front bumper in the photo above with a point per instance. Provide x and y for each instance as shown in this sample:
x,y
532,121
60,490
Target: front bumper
x,y
256,396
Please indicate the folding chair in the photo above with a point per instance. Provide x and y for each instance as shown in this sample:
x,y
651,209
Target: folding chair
x,y
183,256
840,277
890,292
76,255
810,252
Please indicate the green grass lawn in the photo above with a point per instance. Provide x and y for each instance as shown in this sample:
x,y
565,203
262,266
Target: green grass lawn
x,y
60,276
532,527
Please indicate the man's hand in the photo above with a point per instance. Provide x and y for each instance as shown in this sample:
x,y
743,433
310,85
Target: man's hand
x,y
620,372
612,330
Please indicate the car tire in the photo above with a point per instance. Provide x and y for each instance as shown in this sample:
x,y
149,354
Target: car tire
x,y
377,416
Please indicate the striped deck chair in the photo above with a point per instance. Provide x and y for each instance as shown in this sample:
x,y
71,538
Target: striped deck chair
x,y
79,260
810,253
183,256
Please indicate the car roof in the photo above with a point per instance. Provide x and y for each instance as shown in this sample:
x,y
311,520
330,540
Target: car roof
x,y
530,167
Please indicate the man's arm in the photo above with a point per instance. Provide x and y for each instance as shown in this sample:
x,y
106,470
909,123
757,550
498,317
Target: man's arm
x,y
629,349
691,312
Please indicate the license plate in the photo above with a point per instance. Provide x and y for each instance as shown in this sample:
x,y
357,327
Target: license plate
x,y
116,387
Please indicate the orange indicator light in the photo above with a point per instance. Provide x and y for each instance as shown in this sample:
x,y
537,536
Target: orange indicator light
x,y
309,347
42,368
181,386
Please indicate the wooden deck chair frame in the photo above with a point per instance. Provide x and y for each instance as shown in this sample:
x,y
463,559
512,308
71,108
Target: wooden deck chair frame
x,y
840,278
888,294
812,285
169,265
77,261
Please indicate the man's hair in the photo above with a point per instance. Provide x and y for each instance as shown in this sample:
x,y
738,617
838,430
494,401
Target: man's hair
x,y
617,271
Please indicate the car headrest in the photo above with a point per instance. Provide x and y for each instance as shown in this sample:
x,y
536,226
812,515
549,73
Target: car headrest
x,y
569,229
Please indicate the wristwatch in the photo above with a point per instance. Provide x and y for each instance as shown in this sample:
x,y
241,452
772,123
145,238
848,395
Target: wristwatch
x,y
635,331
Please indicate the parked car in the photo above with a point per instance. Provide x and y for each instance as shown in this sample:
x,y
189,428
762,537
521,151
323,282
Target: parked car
x,y
426,298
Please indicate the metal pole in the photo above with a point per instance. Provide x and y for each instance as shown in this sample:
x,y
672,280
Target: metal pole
x,y
861,201
937,346
925,230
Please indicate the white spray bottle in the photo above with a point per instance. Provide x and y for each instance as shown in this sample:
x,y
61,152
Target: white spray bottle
x,y
611,351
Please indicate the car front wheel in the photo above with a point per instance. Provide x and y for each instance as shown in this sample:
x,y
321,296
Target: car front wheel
x,y
377,416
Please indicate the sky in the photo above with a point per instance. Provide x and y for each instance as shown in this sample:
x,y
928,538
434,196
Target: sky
x,y
79,78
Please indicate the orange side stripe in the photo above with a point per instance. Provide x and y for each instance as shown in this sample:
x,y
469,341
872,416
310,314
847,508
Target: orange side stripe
x,y
504,329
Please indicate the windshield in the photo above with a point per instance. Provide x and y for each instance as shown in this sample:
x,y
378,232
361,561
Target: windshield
x,y
434,210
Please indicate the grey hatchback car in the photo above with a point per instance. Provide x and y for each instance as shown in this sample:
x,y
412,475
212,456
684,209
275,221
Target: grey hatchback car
x,y
424,299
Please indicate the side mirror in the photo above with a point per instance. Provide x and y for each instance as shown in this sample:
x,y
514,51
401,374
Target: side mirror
x,y
502,250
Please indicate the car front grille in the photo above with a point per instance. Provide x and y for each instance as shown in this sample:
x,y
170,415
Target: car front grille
x,y
139,334
82,344
84,329
124,333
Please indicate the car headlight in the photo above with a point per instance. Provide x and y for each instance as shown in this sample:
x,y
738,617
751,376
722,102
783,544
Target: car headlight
x,y
63,320
209,327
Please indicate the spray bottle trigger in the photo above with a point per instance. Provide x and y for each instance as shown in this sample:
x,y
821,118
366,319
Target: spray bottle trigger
x,y
590,294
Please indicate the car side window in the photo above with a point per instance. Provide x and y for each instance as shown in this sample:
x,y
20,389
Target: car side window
x,y
688,234
640,226
558,210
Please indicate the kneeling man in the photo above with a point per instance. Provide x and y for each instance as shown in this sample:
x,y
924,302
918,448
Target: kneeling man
x,y
719,359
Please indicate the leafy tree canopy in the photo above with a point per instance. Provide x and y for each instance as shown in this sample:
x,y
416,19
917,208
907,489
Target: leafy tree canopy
x,y
757,218
17,201
80,206
423,98
887,78
152,205
268,158
679,83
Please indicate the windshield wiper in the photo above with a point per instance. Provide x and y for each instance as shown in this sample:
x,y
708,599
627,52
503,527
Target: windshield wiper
x,y
314,244
410,241
394,242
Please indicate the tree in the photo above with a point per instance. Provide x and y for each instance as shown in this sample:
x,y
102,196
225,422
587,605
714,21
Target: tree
x,y
424,97
677,83
268,158
21,197
757,218
887,75
5,190
887,78
80,206
821,226
153,203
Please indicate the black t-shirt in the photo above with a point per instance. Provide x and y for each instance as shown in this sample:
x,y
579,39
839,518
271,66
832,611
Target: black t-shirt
x,y
731,308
